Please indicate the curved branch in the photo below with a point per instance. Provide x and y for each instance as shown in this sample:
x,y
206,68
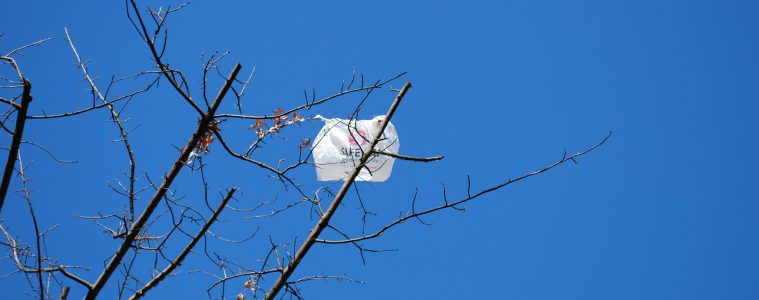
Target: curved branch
x,y
49,153
165,70
469,197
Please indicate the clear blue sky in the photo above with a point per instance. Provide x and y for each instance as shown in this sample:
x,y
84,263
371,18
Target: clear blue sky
x,y
666,210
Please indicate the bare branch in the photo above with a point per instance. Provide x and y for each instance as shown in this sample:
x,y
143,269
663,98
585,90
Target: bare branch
x,y
174,264
37,43
165,70
26,98
411,158
9,102
324,220
328,277
26,194
62,269
49,153
163,188
98,106
468,198
116,120
312,103
65,293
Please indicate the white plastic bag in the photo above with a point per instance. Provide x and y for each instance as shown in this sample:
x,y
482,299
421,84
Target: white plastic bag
x,y
339,146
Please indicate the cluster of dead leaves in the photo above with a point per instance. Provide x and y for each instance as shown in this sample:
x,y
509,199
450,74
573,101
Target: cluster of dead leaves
x,y
207,137
280,121
304,144
205,140
251,285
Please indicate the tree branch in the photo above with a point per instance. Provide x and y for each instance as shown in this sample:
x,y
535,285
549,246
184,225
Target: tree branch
x,y
178,261
312,103
411,158
324,220
94,107
37,43
65,293
26,194
469,197
203,126
15,256
26,98
9,102
116,120
157,57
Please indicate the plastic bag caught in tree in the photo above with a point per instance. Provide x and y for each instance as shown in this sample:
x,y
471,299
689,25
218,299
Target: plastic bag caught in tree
x,y
338,148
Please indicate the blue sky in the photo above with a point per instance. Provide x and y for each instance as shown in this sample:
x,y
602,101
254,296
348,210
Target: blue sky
x,y
666,210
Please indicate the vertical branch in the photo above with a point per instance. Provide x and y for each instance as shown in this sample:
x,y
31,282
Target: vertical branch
x,y
203,126
28,197
26,98
324,220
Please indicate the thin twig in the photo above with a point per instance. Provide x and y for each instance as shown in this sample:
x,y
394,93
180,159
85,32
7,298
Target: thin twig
x,y
406,157
26,194
37,43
